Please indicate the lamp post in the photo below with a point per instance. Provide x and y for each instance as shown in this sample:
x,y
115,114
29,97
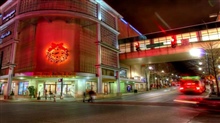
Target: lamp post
x,y
148,77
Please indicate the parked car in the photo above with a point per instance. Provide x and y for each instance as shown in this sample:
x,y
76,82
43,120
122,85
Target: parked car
x,y
192,85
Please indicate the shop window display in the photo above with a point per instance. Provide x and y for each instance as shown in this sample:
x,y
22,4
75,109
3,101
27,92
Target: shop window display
x,y
23,88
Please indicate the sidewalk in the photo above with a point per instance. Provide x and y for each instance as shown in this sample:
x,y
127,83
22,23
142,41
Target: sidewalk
x,y
67,99
71,99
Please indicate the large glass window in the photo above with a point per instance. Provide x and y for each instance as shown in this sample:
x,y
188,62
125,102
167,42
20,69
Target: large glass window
x,y
2,89
205,36
213,34
125,48
210,34
123,73
91,86
156,40
23,88
143,44
163,40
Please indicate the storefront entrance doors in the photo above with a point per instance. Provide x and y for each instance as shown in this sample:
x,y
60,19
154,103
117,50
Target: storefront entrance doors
x,y
50,87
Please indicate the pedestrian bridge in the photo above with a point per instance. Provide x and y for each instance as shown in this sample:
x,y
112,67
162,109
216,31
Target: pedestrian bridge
x,y
165,53
160,55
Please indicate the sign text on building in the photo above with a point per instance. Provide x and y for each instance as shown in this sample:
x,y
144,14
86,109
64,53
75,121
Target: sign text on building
x,y
9,15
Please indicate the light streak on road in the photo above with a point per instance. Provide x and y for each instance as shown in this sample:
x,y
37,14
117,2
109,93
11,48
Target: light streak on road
x,y
186,101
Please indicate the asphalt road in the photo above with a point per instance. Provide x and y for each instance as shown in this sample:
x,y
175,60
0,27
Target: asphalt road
x,y
151,107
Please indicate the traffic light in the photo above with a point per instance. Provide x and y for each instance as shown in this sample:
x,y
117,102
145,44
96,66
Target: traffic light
x,y
173,42
137,46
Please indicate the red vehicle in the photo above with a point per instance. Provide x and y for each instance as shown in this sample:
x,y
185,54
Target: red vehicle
x,y
192,85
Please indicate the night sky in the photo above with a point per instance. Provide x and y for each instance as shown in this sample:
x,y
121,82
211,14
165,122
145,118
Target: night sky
x,y
149,16
2,1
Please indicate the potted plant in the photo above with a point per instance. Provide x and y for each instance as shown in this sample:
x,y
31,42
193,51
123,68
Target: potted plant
x,y
31,90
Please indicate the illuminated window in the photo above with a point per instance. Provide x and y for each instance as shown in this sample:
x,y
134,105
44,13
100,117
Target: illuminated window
x,y
210,34
163,40
156,40
22,88
193,37
186,35
205,36
213,34
123,73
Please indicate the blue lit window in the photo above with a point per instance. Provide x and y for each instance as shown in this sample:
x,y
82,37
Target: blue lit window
x,y
22,90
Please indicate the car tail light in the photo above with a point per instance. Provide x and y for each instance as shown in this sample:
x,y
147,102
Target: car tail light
x,y
197,88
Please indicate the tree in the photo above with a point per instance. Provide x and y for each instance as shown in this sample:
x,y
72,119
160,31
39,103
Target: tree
x,y
211,59
31,91
159,72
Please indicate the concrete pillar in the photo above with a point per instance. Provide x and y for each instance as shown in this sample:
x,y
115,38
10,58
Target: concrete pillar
x,y
11,69
99,54
118,63
147,79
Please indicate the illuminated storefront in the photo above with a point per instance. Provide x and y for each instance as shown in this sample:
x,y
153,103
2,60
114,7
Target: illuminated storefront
x,y
43,42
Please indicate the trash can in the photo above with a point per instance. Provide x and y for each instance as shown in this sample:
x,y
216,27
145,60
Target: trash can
x,y
135,91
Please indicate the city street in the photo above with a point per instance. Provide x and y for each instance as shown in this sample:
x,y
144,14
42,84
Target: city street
x,y
156,106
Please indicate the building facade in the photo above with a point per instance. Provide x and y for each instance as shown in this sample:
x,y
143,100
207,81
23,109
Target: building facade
x,y
66,47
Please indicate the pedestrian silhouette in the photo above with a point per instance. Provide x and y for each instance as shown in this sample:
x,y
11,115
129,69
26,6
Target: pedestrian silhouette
x,y
51,94
45,93
84,96
92,95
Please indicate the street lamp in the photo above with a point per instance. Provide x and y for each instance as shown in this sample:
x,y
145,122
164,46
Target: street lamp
x,y
148,83
150,68
197,52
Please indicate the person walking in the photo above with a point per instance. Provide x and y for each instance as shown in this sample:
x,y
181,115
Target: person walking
x,y
45,93
51,94
92,95
84,96
54,97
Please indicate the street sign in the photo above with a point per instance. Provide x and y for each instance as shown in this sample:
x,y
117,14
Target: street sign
x,y
154,45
